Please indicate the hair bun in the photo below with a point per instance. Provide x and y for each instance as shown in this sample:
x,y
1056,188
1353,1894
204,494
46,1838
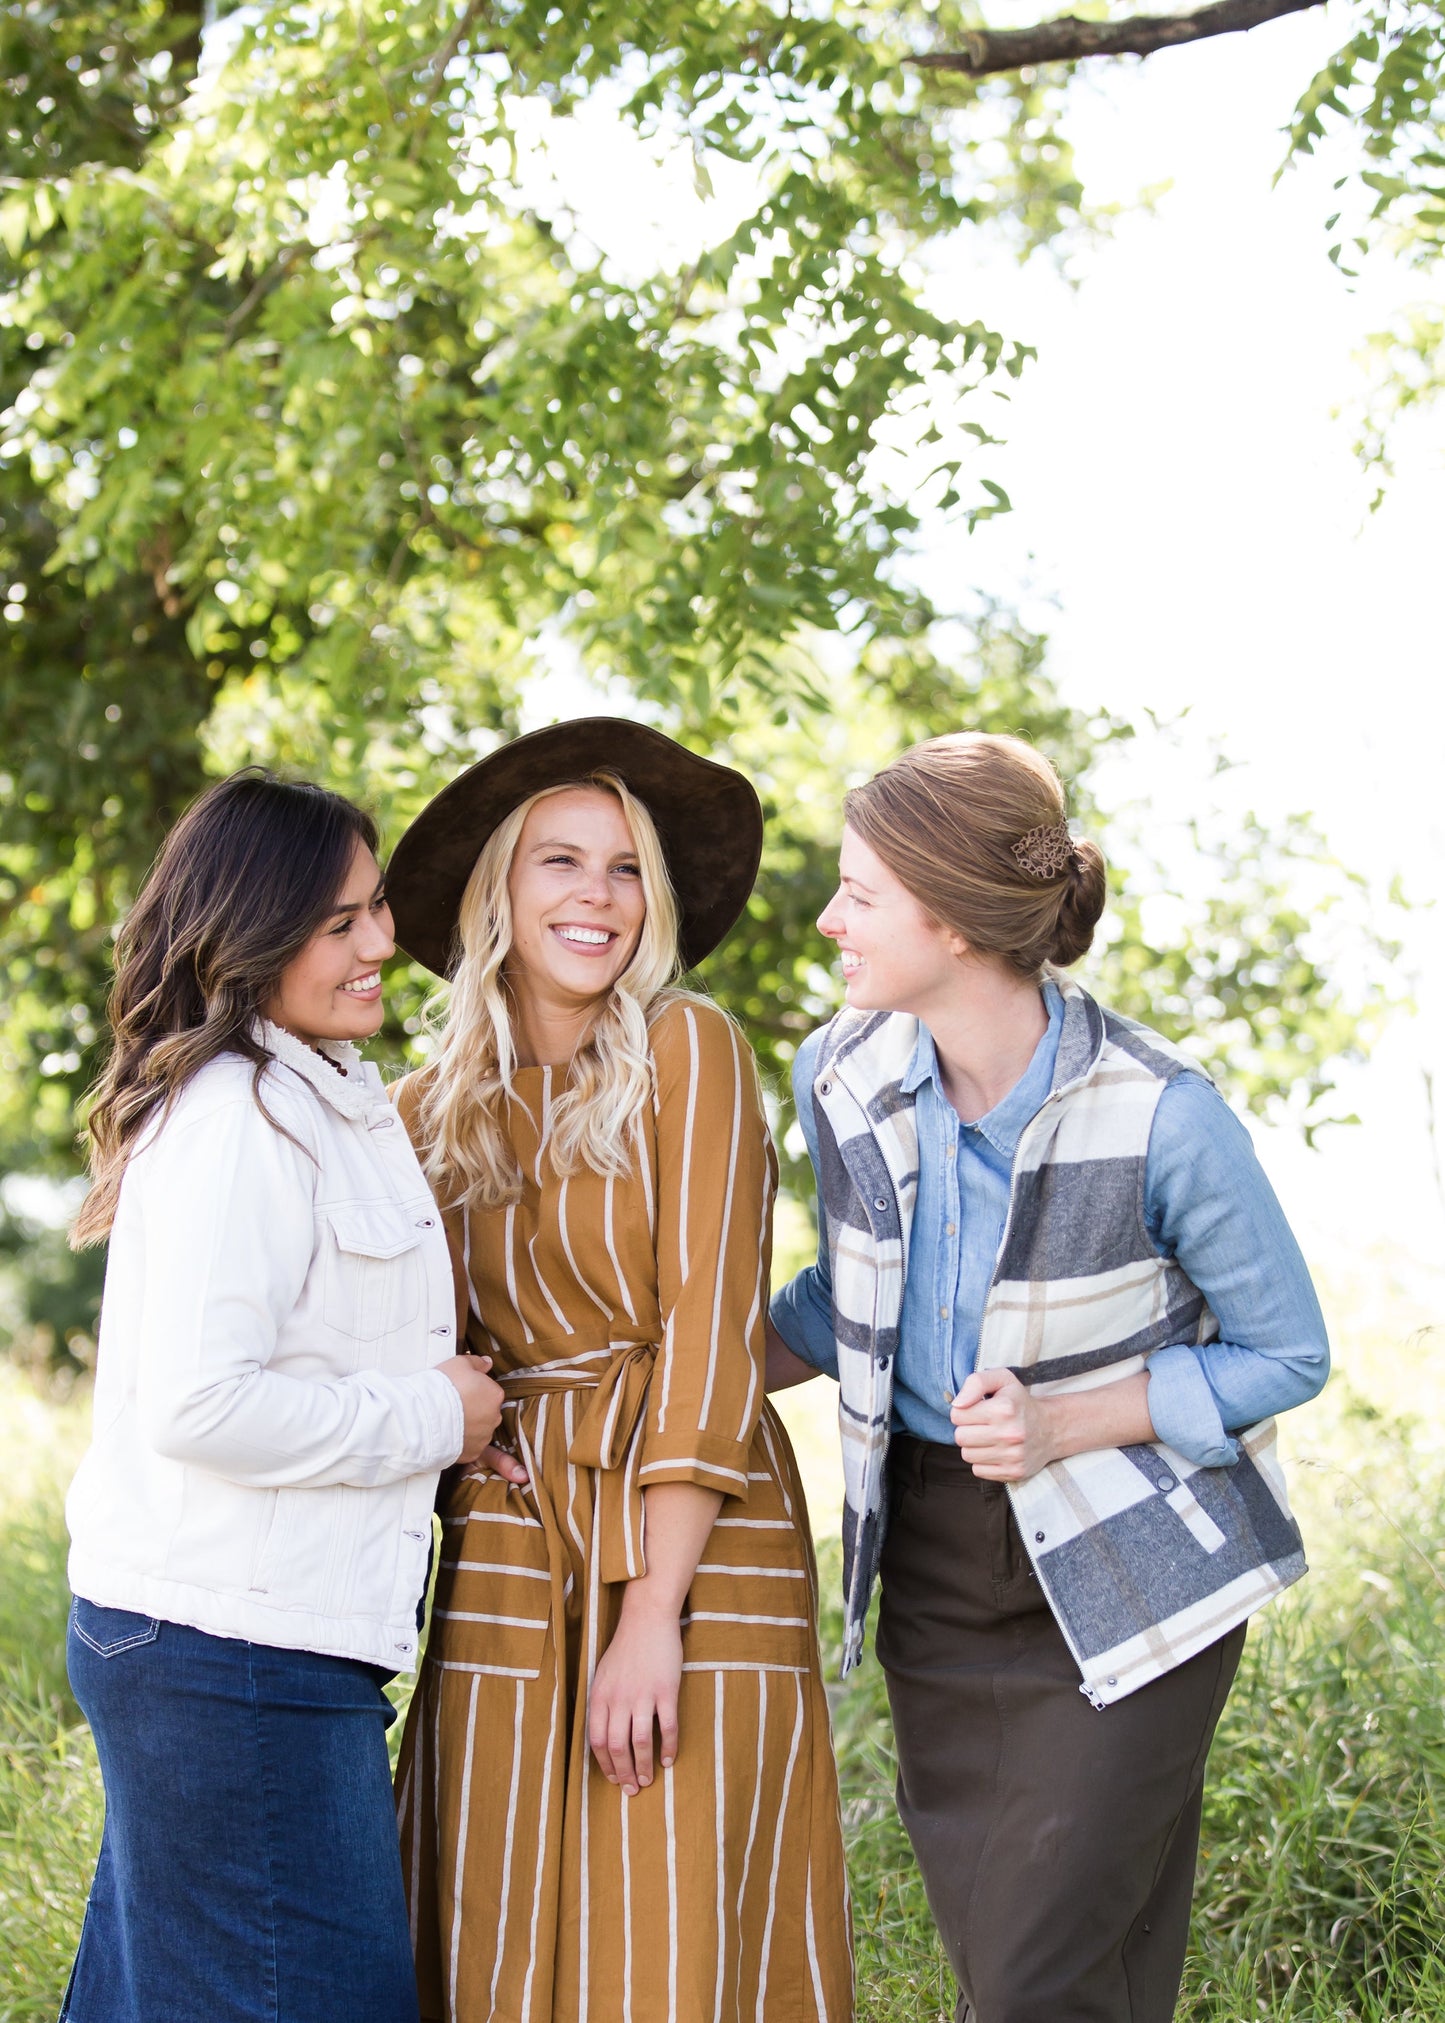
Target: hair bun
x,y
1081,902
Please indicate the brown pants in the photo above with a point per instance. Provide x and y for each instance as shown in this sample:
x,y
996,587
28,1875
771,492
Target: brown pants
x,y
1057,1841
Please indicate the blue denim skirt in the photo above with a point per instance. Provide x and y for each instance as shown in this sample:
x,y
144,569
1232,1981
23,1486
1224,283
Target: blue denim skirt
x,y
249,1869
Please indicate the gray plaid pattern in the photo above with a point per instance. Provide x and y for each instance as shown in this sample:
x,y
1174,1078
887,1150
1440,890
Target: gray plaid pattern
x,y
1145,1558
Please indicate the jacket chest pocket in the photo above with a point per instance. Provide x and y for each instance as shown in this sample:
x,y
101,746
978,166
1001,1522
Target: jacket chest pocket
x,y
372,1281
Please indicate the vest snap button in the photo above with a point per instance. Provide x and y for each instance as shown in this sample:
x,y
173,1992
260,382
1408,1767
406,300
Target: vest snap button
x,y
1165,1483
880,1201
825,1088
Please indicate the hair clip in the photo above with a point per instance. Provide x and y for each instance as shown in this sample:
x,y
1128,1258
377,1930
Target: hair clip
x,y
1046,851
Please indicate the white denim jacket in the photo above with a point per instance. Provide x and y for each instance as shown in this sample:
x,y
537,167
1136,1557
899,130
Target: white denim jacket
x,y
268,1424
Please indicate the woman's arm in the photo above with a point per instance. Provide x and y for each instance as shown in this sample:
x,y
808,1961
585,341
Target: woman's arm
x,y
782,1368
226,1215
1208,1205
638,1676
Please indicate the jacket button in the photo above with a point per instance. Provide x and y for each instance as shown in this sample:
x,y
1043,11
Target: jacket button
x,y
1114,1682
427,1222
825,1088
441,1331
415,1534
407,1647
383,1123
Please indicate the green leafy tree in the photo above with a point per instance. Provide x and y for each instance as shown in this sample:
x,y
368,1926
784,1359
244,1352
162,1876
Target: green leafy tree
x,y
326,431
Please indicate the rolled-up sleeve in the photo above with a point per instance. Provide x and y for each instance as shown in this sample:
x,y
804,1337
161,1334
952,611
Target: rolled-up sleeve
x,y
716,1176
227,1211
1209,1206
802,1310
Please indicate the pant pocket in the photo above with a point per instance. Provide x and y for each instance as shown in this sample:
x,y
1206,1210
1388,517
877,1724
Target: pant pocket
x,y
109,1632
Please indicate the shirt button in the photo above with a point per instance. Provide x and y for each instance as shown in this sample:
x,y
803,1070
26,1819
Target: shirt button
x,y
441,1331
415,1534
403,1647
943,1313
950,1229
427,1222
383,1123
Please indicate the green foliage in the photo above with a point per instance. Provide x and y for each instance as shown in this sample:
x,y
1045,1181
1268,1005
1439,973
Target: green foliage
x,y
1382,96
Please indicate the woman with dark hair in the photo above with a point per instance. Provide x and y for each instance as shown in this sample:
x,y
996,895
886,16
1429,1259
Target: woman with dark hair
x,y
1062,1304
277,1389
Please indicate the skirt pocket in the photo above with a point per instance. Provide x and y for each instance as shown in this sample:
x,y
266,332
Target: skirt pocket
x,y
493,1606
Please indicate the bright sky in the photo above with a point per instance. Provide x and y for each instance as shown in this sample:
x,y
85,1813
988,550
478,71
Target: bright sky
x,y
1191,528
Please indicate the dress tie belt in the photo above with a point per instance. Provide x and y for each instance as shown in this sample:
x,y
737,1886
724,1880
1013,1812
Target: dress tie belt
x,y
608,1437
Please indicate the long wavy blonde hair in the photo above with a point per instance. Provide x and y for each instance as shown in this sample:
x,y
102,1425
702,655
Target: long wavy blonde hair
x,y
463,1108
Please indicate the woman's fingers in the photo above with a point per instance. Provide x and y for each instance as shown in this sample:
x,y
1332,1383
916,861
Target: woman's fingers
x,y
667,1731
642,1744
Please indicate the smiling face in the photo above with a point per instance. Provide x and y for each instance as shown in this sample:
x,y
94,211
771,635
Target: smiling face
x,y
577,903
332,989
894,956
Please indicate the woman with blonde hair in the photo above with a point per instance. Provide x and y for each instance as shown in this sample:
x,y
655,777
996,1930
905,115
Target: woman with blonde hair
x,y
616,1788
1062,1304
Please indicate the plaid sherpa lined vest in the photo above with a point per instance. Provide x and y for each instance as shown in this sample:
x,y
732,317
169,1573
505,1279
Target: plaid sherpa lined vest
x,y
1144,1557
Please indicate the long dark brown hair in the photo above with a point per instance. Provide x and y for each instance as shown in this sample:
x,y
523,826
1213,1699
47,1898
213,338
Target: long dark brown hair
x,y
243,881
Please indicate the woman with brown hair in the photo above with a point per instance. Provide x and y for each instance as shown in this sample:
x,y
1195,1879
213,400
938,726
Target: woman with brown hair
x,y
276,1390
1062,1304
616,1786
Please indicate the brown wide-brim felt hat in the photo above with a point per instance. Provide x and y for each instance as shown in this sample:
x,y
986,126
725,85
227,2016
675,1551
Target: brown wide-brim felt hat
x,y
708,818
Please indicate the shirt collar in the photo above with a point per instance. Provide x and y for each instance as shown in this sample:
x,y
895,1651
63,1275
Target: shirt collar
x,y
352,1093
1003,1125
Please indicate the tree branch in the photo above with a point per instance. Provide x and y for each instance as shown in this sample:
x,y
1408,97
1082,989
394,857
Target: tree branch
x,y
988,50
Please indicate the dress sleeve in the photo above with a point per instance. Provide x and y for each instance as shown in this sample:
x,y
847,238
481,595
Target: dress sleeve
x,y
716,1176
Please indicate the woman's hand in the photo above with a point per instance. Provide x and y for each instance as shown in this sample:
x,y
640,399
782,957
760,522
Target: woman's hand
x,y
1003,1432
634,1687
482,1399
1007,1434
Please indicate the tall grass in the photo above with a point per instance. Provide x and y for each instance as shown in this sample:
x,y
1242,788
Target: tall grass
x,y
1322,1884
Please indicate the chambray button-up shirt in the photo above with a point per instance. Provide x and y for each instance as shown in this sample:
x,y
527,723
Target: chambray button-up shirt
x,y
1207,1203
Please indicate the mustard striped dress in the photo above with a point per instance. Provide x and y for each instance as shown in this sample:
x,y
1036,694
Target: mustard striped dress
x,y
625,1317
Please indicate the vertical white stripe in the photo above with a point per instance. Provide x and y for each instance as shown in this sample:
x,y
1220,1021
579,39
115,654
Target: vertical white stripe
x,y
460,1860
626,1908
543,1861
472,1300
600,1305
682,1209
721,1268
546,1291
508,1841
778,1853
584,1712
720,1822
762,1679
568,1430
778,1474
755,1372
670,1816
692,1081
509,1240
607,1238
644,1171
546,1127
820,2000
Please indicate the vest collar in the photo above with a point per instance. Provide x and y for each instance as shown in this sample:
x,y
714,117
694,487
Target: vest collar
x,y
352,1094
1081,1040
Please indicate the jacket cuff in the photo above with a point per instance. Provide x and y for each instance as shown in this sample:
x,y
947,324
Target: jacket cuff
x,y
443,1423
1185,1412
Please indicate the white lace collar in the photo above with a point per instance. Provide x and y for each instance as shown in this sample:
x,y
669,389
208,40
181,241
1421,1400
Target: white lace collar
x,y
353,1093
